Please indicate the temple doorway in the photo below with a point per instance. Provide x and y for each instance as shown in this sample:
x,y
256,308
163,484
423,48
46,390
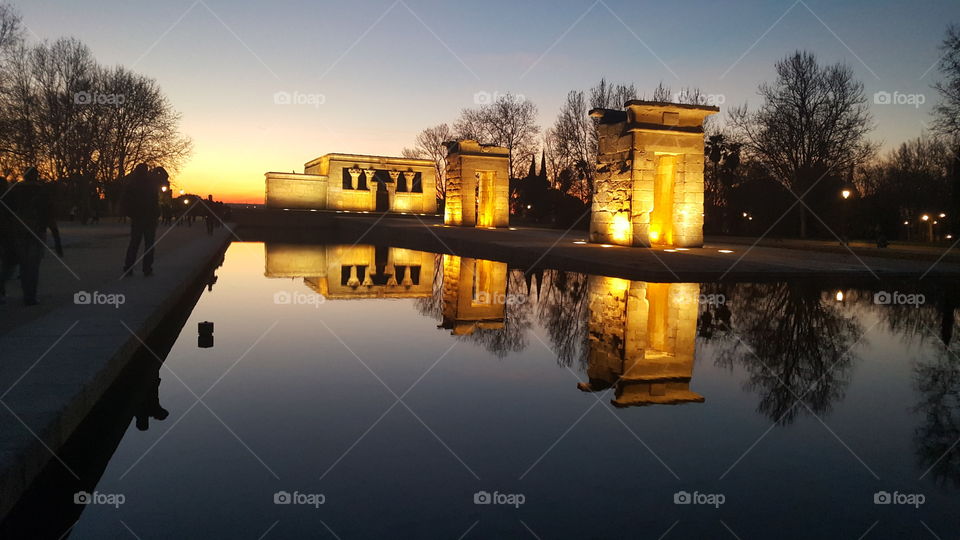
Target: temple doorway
x,y
383,197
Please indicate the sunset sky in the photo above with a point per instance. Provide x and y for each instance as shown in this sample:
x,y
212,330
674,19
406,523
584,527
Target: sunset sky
x,y
371,74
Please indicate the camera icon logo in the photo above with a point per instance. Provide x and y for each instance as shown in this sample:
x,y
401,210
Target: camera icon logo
x,y
82,298
81,497
83,98
882,497
883,98
682,497
282,298
882,298
282,497
282,98
482,497
482,98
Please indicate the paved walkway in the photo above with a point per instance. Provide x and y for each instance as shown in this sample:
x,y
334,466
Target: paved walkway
x,y
57,359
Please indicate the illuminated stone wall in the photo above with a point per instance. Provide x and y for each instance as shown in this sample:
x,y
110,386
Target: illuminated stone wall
x,y
354,271
642,340
648,190
478,185
350,182
474,294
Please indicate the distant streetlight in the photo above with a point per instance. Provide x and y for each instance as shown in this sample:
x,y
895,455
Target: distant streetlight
x,y
942,215
925,217
163,189
839,296
845,194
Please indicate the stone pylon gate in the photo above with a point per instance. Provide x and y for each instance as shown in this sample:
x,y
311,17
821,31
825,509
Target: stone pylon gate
x,y
478,185
648,189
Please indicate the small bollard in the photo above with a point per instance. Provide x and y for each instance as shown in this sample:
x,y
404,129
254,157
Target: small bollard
x,y
205,335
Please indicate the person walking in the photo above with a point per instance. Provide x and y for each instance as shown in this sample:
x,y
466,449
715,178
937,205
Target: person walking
x,y
141,202
30,213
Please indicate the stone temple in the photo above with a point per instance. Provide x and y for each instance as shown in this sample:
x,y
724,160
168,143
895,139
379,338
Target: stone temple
x,y
648,190
478,185
357,183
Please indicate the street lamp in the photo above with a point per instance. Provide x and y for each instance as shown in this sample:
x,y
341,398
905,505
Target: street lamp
x,y
845,193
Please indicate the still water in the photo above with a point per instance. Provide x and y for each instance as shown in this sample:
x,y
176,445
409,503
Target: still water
x,y
377,392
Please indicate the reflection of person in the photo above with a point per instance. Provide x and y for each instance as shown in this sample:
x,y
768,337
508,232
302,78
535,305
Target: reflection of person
x,y
29,216
141,201
150,407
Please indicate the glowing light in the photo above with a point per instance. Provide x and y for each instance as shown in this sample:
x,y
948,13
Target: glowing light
x,y
683,249
906,222
513,228
188,202
839,296
606,245
654,235
845,193
529,206
744,214
580,242
163,189
182,192
621,227
670,250
942,215
725,250
949,237
925,217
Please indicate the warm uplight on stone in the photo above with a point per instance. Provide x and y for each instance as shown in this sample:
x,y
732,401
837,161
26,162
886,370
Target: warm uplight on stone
x,y
357,182
649,184
478,185
642,340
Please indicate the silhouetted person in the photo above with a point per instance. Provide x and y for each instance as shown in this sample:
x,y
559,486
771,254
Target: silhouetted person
x,y
141,201
150,407
29,216
210,213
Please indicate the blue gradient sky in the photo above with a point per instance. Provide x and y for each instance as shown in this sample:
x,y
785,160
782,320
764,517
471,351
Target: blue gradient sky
x,y
421,61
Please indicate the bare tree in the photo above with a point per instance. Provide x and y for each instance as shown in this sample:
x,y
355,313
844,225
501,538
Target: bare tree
x,y
429,145
947,112
509,121
813,123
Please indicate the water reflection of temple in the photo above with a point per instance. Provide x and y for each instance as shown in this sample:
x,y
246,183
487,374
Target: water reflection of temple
x,y
474,294
360,271
642,341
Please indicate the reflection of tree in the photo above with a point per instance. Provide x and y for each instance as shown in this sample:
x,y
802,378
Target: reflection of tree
x,y
512,337
936,317
562,310
432,306
938,383
793,345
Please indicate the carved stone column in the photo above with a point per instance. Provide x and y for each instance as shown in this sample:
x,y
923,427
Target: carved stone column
x,y
354,176
370,183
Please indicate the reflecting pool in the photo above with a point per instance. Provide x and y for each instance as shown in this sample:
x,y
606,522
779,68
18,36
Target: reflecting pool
x,y
359,391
